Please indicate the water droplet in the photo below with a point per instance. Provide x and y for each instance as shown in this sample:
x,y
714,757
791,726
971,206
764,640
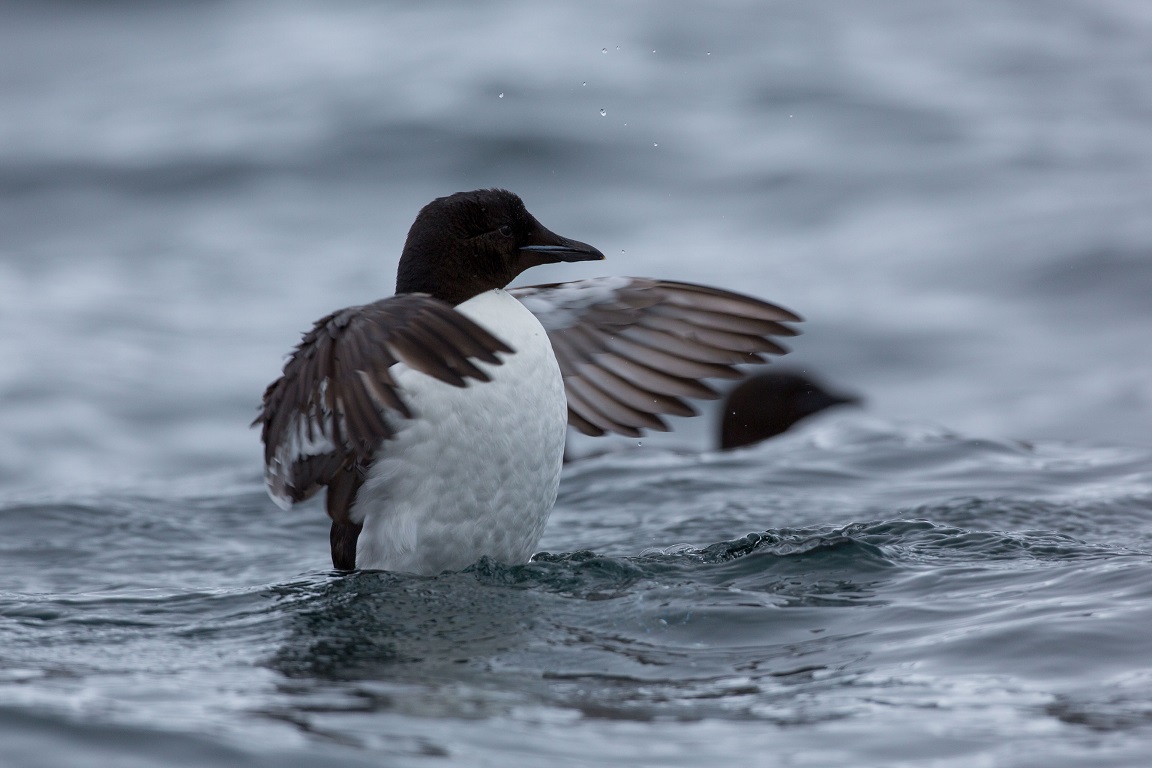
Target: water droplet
x,y
653,50
708,53
584,83
655,144
603,113
603,50
640,443
501,95
617,47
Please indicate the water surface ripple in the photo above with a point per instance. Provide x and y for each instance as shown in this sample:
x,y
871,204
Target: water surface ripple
x,y
985,625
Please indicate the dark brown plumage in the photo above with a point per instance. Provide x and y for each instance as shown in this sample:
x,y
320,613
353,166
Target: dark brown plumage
x,y
770,403
343,367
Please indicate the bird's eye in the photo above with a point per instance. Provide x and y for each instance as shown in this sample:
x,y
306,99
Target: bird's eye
x,y
506,231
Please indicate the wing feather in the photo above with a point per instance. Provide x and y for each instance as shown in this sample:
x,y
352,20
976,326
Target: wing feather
x,y
337,399
614,408
634,395
669,362
629,348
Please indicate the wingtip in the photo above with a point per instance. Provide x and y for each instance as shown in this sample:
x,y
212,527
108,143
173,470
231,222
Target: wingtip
x,y
276,492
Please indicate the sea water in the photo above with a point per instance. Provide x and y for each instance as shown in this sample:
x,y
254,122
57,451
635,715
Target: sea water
x,y
955,197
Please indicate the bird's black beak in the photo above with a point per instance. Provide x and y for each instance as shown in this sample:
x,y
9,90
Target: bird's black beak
x,y
545,247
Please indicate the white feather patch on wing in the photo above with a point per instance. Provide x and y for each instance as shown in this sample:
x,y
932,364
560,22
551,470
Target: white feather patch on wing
x,y
562,305
302,441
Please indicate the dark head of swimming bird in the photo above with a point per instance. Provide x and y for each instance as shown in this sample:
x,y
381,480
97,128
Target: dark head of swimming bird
x,y
768,404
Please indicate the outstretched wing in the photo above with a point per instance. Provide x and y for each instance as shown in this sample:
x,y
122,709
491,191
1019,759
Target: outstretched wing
x,y
337,398
630,348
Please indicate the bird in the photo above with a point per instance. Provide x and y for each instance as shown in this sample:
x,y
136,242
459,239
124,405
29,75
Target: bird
x,y
768,404
435,419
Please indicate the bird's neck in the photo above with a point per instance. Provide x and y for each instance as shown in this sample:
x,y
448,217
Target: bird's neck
x,y
453,283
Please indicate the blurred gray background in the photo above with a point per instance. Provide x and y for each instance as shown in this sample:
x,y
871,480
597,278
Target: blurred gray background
x,y
956,195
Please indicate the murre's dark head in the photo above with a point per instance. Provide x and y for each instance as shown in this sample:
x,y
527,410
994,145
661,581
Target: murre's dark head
x,y
471,242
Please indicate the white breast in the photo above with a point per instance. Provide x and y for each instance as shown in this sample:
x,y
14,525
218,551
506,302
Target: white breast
x,y
475,471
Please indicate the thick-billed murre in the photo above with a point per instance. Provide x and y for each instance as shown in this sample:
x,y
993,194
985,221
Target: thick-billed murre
x,y
436,418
